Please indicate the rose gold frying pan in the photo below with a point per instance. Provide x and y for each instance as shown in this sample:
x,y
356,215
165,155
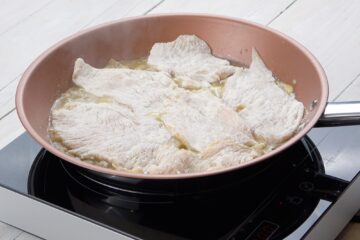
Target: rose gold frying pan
x,y
50,74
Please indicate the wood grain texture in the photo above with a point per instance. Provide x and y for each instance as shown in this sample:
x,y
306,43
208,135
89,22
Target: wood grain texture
x,y
330,29
352,92
13,12
23,43
26,236
133,8
7,98
253,10
10,128
8,232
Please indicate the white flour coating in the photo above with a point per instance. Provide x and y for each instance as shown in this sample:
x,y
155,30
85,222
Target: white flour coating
x,y
112,133
224,154
139,90
268,110
200,119
190,61
145,121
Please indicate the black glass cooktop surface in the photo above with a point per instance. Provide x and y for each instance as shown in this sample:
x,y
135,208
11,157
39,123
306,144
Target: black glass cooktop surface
x,y
282,198
261,202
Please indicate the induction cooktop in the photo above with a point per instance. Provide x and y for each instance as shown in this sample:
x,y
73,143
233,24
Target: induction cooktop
x,y
301,193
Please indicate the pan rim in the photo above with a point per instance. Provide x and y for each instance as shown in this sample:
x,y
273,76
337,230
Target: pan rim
x,y
48,146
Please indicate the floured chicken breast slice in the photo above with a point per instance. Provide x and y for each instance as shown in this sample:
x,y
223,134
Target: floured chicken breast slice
x,y
138,64
189,60
224,154
272,114
139,90
111,135
200,119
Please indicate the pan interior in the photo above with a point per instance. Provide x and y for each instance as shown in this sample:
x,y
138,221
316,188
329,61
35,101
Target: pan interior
x,y
51,74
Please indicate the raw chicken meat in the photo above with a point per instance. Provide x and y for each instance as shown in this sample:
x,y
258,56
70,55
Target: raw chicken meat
x,y
189,60
200,119
111,135
139,90
198,113
272,114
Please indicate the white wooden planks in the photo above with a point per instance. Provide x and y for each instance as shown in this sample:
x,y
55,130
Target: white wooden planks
x,y
8,232
50,24
255,10
27,236
13,12
7,98
330,29
352,92
133,8
10,128
27,40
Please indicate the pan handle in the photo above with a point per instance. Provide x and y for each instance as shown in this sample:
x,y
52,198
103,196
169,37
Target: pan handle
x,y
340,114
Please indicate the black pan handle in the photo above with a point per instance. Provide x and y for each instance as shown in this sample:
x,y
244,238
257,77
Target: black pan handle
x,y
340,114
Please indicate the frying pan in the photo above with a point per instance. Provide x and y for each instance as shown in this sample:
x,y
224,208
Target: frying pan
x,y
50,74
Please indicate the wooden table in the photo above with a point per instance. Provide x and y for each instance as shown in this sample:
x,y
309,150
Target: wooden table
x,y
330,29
